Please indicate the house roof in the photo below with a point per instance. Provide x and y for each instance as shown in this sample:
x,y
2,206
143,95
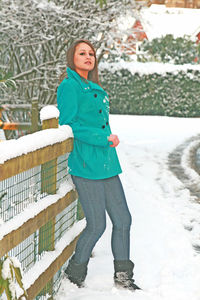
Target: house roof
x,y
159,20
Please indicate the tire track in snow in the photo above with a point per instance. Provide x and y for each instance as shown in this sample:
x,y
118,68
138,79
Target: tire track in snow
x,y
183,163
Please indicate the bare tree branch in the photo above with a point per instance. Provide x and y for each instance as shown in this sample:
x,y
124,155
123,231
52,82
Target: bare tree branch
x,y
35,35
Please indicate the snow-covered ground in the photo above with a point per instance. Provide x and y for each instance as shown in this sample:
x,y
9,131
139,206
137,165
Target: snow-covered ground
x,y
159,20
166,219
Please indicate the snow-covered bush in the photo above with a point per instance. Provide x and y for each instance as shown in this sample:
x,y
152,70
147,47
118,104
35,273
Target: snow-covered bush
x,y
170,94
10,273
169,49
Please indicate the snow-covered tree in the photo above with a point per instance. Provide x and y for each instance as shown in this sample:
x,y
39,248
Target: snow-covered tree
x,y
35,34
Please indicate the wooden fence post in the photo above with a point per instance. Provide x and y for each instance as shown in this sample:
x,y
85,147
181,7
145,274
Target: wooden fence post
x,y
48,185
2,135
34,116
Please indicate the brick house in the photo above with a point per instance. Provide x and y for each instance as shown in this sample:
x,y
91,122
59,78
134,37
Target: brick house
x,y
183,3
141,30
176,3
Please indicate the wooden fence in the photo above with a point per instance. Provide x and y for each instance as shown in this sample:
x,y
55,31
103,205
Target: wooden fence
x,y
17,120
46,218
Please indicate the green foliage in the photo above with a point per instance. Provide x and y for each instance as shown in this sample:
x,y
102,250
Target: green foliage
x,y
169,49
6,284
6,80
154,94
2,195
101,2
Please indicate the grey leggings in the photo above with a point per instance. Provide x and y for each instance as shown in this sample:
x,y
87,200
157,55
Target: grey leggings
x,y
97,197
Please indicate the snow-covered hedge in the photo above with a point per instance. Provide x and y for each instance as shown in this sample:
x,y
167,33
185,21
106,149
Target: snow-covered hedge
x,y
152,89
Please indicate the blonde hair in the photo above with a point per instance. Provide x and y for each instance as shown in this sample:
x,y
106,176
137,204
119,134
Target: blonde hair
x,y
92,75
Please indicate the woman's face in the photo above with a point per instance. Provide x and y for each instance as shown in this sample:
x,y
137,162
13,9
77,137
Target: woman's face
x,y
84,59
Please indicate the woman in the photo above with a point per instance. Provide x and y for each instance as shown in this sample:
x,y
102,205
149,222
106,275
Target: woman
x,y
93,165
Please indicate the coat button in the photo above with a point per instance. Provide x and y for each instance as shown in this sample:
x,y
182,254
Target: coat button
x,y
103,126
100,111
106,123
95,95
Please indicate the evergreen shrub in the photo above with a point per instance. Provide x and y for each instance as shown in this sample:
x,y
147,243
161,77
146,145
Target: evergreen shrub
x,y
167,49
153,94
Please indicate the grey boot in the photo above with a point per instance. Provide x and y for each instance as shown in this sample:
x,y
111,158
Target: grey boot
x,y
123,274
76,273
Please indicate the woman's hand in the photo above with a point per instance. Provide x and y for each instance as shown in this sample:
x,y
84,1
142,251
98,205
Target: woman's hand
x,y
114,139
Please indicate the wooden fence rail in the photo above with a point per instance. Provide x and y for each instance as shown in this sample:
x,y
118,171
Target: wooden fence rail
x,y
45,217
14,125
27,161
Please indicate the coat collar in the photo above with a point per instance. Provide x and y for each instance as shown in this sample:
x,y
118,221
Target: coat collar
x,y
85,85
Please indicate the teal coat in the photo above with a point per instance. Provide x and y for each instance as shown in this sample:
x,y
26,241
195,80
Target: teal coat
x,y
85,107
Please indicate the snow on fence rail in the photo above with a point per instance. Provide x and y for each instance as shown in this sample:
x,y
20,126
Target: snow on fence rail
x,y
38,204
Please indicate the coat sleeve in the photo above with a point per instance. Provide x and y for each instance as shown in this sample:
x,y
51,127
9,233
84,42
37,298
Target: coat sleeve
x,y
68,106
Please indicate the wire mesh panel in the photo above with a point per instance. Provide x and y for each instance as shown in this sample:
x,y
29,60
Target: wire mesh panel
x,y
62,166
27,252
20,191
65,220
17,192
